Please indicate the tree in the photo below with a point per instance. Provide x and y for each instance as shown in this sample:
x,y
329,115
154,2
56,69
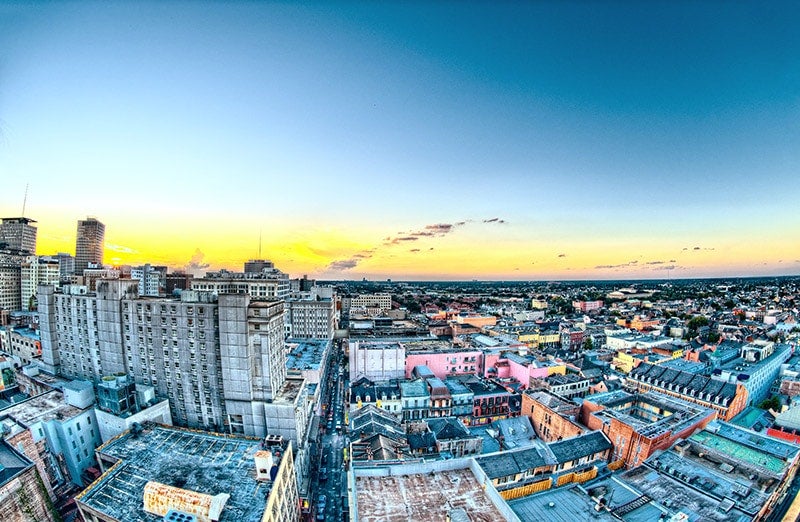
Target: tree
x,y
773,403
588,344
694,324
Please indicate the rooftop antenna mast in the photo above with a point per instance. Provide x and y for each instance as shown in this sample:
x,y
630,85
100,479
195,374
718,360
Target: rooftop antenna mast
x,y
25,200
259,243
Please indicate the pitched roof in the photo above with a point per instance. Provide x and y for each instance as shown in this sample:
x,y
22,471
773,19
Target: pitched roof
x,y
448,428
580,446
699,386
512,462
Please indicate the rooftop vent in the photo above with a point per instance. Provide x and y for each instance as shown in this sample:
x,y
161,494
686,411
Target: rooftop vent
x,y
179,516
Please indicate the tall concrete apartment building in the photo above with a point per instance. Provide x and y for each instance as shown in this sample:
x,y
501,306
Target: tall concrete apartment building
x,y
35,271
18,233
66,265
310,318
11,279
152,279
89,243
219,360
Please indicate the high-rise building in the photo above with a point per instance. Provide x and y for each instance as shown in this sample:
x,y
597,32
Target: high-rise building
x,y
310,318
152,279
66,265
89,243
18,234
11,279
256,266
220,361
35,271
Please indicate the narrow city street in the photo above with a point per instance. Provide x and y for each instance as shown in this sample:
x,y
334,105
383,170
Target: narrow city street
x,y
329,478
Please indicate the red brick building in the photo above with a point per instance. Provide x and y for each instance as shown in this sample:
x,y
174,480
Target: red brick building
x,y
550,415
638,424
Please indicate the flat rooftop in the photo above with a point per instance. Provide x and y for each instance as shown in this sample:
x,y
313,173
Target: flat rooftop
x,y
740,452
25,332
574,503
434,345
207,463
305,354
698,505
289,391
44,407
424,496
651,413
709,477
684,365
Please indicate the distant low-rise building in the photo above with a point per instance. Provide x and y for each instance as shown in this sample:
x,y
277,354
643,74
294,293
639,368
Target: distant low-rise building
x,y
587,306
416,399
726,399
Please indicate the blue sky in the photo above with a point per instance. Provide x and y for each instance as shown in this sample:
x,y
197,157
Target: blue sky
x,y
598,130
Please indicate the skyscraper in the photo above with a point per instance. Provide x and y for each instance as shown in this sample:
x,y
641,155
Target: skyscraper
x,y
18,234
89,243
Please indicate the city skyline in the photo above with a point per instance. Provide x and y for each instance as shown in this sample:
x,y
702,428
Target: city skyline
x,y
409,141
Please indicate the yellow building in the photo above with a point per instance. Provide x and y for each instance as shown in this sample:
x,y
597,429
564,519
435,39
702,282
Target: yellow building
x,y
624,362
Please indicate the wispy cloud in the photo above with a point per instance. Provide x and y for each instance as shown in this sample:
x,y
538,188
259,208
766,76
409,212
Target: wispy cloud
x,y
121,249
344,264
629,264
433,230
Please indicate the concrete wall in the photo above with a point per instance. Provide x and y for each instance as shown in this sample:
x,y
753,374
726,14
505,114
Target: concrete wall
x,y
377,362
110,425
441,364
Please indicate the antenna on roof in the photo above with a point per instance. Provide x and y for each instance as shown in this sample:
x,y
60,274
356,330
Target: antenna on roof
x,y
259,243
25,200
